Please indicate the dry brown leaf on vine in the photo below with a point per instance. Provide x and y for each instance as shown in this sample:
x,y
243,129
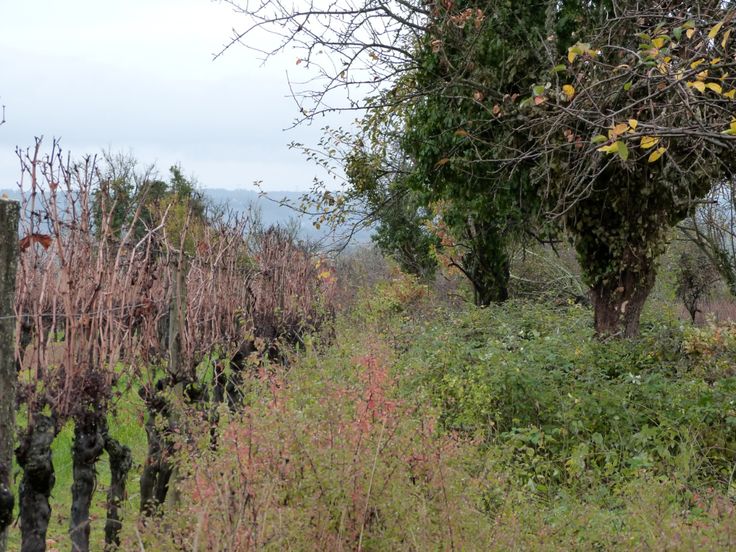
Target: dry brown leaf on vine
x,y
43,239
618,130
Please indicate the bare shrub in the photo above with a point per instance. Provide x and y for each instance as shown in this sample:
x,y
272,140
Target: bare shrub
x,y
696,278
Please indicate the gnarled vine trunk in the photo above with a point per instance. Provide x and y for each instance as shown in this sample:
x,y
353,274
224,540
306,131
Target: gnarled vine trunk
x,y
34,456
121,460
86,450
157,469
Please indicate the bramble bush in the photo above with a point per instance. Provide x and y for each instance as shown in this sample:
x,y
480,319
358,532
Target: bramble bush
x,y
323,457
561,409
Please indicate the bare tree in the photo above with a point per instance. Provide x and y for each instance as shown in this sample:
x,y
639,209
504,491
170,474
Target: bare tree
x,y
352,49
696,277
713,229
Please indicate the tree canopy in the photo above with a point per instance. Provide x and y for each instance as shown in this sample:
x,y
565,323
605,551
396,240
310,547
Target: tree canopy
x,y
606,120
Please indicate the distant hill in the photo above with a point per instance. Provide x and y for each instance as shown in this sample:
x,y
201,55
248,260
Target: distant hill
x,y
272,212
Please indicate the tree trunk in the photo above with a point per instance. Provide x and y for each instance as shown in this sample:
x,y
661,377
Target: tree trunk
x,y
34,456
9,211
492,287
618,304
121,461
86,450
486,264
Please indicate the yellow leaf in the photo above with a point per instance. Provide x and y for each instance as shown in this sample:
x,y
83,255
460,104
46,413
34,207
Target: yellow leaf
x,y
571,55
715,60
648,142
702,75
690,33
714,87
611,148
656,154
714,31
633,123
569,91
726,36
731,94
618,130
695,63
698,85
658,42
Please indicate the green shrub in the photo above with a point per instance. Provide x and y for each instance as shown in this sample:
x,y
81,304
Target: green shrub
x,y
561,408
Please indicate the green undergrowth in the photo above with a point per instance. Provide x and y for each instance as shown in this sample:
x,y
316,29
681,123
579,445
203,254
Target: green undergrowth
x,y
426,427
563,410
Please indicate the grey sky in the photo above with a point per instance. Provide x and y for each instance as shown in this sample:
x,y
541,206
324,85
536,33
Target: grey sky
x,y
138,76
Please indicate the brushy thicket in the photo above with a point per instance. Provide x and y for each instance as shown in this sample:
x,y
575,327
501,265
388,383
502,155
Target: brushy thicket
x,y
563,409
424,427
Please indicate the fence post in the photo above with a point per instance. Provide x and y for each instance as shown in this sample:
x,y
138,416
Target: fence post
x,y
177,321
9,216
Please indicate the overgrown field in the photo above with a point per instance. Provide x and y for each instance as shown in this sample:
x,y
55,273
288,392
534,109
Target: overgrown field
x,y
422,426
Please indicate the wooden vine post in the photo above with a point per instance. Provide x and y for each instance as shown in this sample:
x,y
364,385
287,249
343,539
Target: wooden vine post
x,y
9,216
177,320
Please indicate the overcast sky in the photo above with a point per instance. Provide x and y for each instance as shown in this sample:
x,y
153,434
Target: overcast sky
x,y
138,76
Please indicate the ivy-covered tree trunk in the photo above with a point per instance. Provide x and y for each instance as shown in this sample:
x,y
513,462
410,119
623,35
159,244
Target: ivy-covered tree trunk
x,y
486,263
490,282
617,304
34,456
86,450
618,238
